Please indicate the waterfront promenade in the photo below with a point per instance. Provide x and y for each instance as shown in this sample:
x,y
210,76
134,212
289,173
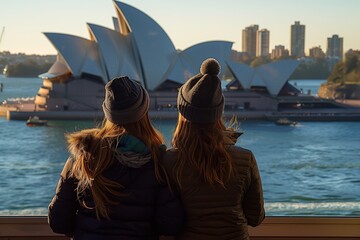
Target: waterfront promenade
x,y
242,115
96,115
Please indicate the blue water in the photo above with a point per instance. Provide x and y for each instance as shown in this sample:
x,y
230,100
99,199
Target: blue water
x,y
310,169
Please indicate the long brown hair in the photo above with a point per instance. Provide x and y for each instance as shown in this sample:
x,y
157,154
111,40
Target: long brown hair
x,y
202,146
96,154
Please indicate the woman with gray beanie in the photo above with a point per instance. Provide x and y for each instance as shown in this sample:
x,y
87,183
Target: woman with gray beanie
x,y
112,186
219,183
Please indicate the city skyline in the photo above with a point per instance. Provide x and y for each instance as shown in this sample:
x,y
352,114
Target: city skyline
x,y
187,23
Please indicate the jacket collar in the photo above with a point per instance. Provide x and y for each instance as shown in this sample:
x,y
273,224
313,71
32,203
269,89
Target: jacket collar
x,y
231,136
132,152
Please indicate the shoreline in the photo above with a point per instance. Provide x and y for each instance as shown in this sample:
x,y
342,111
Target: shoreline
x,y
322,115
98,115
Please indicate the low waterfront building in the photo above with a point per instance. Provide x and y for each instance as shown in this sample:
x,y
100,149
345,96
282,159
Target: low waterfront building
x,y
279,52
316,52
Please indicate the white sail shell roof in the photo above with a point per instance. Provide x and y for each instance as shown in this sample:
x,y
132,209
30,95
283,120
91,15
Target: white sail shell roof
x,y
93,64
115,52
57,69
276,74
80,54
242,72
196,54
154,47
180,71
257,80
273,76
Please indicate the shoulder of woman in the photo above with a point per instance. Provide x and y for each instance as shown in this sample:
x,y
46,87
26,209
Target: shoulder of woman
x,y
66,172
78,142
241,154
240,150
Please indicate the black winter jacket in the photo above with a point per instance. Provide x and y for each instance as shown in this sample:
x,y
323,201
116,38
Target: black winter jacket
x,y
148,209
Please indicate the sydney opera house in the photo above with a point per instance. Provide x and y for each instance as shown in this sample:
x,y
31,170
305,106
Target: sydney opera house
x,y
138,47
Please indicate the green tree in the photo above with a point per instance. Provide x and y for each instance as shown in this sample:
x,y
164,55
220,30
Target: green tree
x,y
315,70
27,69
337,74
347,71
351,63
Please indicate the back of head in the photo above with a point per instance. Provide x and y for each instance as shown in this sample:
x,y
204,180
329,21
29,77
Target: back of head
x,y
126,101
126,104
200,99
199,132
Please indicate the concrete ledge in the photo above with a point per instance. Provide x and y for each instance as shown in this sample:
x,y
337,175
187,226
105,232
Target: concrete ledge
x,y
281,228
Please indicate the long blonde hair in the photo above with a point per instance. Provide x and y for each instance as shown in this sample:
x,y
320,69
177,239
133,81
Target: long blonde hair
x,y
97,155
202,146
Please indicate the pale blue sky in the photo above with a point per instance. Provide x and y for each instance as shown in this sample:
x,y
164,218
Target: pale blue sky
x,y
187,22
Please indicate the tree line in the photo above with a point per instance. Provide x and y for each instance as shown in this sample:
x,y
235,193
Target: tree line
x,y
347,71
23,65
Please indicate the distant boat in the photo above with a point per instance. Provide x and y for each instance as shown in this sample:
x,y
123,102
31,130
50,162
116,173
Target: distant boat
x,y
5,71
35,121
285,121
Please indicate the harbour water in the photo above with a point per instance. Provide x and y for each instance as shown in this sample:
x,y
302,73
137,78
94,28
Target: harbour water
x,y
312,168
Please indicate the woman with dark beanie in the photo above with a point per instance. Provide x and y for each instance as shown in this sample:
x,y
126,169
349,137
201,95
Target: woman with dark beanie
x,y
112,185
219,183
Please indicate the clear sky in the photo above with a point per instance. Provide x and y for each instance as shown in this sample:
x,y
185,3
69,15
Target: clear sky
x,y
187,22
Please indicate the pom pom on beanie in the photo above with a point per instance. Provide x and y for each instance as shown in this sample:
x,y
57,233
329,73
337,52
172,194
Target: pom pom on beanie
x,y
210,66
200,99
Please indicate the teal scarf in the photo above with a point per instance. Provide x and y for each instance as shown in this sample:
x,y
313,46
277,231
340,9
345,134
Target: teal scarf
x,y
129,143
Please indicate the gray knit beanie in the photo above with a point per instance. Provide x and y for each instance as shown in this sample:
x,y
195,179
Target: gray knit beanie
x,y
200,99
126,101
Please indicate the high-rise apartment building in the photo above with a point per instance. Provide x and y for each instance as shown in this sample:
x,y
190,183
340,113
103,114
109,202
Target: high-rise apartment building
x,y
249,40
262,43
335,47
297,39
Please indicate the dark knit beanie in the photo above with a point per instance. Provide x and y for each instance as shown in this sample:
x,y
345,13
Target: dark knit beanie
x,y
125,101
200,99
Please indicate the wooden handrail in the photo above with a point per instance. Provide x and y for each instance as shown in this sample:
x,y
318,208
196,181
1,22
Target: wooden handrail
x,y
280,228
